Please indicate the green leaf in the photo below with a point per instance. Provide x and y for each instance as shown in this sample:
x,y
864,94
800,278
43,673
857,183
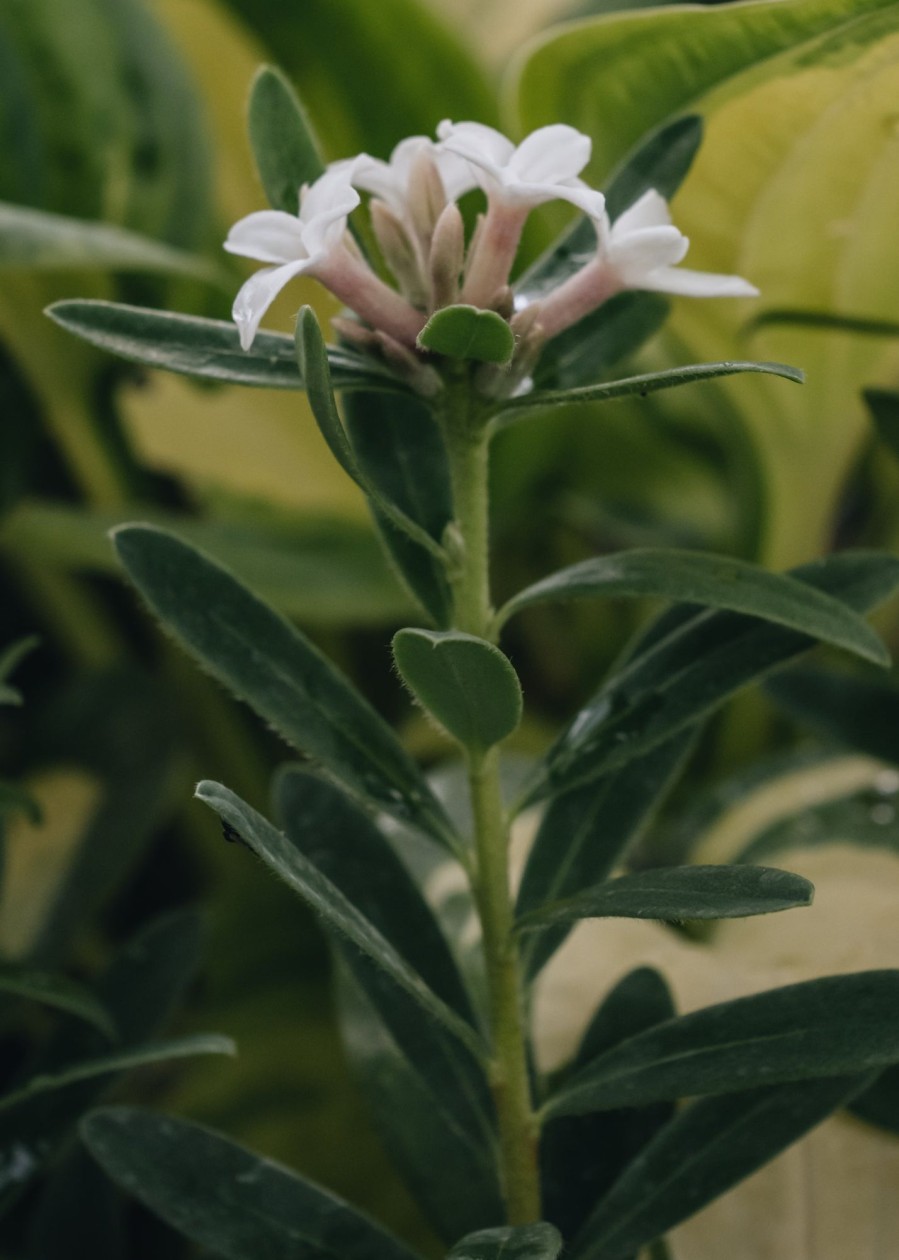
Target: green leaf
x,y
855,711
451,1173
466,332
14,799
340,915
36,240
466,683
400,448
59,992
209,349
883,405
648,383
348,850
614,331
683,675
581,1157
823,320
226,1199
541,1241
829,1027
879,1104
660,160
701,1153
675,894
287,681
312,357
712,581
284,147
584,834
121,1061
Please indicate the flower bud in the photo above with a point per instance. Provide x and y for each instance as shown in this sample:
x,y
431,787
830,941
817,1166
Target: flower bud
x,y
399,252
424,379
426,195
446,258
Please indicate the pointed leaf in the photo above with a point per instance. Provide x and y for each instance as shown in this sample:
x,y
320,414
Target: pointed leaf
x,y
466,332
349,850
701,1153
466,683
714,582
510,1242
585,833
855,711
287,681
226,1199
830,1027
36,240
209,349
649,383
121,1061
284,147
340,915
675,894
312,357
401,450
684,675
59,992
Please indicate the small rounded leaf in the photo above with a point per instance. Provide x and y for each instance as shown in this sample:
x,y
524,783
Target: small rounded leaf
x,y
465,332
464,682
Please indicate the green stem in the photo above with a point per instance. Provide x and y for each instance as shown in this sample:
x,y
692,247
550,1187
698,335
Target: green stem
x,y
468,450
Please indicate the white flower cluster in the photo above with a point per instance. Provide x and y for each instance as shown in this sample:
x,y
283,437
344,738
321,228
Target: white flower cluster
x,y
421,236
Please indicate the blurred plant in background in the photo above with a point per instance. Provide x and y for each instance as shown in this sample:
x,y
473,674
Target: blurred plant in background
x,y
124,160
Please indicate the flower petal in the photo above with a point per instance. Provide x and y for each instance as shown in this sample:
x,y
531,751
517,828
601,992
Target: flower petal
x,y
332,196
268,236
686,283
551,155
257,295
484,146
633,255
650,210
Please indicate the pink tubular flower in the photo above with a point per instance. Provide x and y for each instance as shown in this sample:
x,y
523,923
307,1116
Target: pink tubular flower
x,y
313,243
546,166
640,250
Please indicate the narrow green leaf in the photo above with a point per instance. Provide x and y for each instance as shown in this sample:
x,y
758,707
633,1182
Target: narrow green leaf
x,y
614,331
859,712
451,1172
348,850
14,799
707,1148
284,147
712,581
879,1103
675,894
121,1061
883,405
340,915
585,833
312,357
827,321
59,992
659,160
209,349
226,1199
684,674
466,332
829,1027
288,682
466,683
36,240
541,1241
581,1157
649,383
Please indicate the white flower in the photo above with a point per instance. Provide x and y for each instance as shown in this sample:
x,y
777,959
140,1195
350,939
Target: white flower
x,y
393,181
296,244
544,167
642,248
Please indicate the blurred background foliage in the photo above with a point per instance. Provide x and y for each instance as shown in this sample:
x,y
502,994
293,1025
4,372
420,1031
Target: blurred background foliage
x,y
123,139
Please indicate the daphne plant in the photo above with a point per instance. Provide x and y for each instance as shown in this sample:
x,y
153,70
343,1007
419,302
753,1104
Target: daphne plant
x,y
441,348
